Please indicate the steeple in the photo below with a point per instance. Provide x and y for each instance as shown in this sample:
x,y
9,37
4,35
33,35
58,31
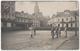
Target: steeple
x,y
36,8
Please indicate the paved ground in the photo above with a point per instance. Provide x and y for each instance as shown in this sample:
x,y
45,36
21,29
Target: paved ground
x,y
42,41
71,44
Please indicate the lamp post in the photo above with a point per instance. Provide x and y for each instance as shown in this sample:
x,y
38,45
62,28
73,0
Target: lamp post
x,y
75,25
75,15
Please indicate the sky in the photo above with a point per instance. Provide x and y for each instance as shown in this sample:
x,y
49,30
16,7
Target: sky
x,y
47,8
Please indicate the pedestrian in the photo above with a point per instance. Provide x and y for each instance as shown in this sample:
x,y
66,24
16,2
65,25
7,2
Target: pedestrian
x,y
52,32
56,31
66,31
31,31
34,29
59,31
31,36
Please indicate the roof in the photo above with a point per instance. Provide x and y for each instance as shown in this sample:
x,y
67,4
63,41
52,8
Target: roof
x,y
67,13
23,15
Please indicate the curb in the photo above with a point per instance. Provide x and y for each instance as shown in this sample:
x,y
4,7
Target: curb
x,y
61,44
64,42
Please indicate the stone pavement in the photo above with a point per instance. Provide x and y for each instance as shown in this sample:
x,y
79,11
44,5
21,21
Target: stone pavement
x,y
21,40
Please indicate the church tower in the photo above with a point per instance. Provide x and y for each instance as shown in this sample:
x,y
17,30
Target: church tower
x,y
36,8
36,21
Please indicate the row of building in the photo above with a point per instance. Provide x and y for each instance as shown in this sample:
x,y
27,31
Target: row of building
x,y
20,20
7,14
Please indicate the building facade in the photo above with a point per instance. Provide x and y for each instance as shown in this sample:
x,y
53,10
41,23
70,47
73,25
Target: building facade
x,y
11,19
67,18
7,14
23,20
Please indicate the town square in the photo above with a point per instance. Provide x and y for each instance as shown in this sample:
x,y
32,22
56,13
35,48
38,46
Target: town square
x,y
39,25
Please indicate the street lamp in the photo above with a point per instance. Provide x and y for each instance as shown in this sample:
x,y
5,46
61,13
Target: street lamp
x,y
75,25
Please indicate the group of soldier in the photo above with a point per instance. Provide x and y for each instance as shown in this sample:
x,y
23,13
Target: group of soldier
x,y
55,31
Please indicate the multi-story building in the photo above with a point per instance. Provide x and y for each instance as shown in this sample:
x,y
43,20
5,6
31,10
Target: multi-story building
x,y
13,19
7,14
23,20
67,18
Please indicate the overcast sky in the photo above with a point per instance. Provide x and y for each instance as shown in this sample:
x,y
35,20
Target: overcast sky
x,y
47,8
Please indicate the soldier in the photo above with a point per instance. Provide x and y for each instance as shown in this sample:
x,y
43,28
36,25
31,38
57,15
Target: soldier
x,y
52,32
66,31
56,31
59,31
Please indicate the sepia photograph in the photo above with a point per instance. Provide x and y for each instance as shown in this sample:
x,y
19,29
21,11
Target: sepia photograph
x,y
40,25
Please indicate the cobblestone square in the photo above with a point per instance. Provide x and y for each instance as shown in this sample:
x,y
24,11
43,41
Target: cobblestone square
x,y
19,40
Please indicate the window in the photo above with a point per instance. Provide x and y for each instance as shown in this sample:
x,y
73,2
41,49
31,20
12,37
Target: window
x,y
62,20
18,19
67,25
59,25
8,24
71,19
67,19
71,24
64,25
58,20
2,24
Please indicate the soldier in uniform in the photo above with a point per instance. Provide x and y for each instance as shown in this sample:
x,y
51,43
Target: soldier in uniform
x,y
52,32
59,31
56,31
66,31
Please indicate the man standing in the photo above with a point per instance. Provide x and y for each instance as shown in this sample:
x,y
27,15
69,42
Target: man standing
x,y
31,31
66,31
59,31
34,30
52,32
